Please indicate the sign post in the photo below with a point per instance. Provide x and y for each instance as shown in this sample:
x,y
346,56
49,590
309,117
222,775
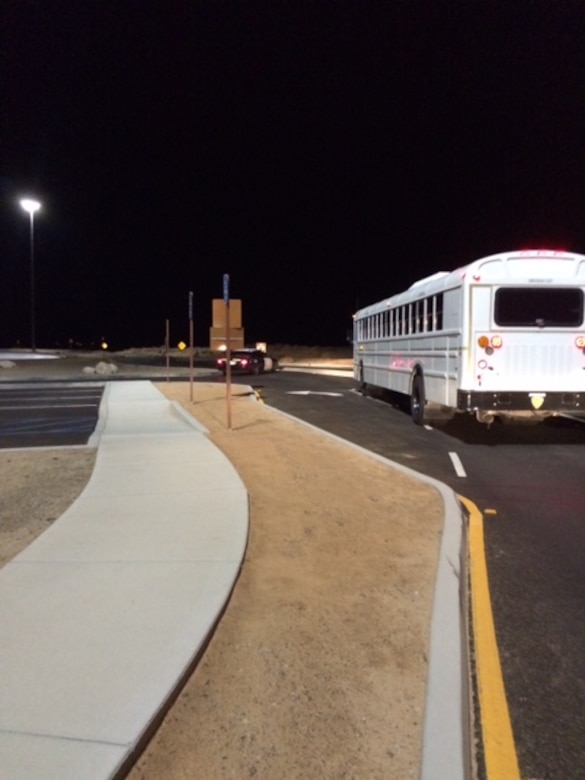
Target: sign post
x,y
167,347
228,352
191,347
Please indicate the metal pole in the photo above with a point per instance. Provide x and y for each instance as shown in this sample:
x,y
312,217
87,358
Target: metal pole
x,y
31,206
32,283
191,347
167,347
228,368
228,353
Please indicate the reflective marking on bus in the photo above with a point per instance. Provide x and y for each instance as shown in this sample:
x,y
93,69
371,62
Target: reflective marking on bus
x,y
496,729
457,465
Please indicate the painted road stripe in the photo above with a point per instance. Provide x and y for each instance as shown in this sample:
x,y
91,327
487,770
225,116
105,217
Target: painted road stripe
x,y
498,740
48,406
457,465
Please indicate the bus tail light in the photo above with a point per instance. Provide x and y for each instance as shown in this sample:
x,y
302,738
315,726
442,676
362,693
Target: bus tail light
x,y
489,344
580,342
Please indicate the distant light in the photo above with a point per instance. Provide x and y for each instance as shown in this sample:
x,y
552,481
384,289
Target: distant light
x,y
30,205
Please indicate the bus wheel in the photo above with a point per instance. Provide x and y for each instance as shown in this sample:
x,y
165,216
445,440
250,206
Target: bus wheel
x,y
362,385
417,400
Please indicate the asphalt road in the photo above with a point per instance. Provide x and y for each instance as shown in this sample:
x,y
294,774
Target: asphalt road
x,y
48,414
529,479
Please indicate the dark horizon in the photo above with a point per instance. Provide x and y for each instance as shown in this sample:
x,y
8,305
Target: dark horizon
x,y
325,156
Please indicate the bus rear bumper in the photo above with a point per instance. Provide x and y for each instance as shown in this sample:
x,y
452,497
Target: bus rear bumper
x,y
541,404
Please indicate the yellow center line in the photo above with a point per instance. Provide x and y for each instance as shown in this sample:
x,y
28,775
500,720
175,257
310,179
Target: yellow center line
x,y
498,740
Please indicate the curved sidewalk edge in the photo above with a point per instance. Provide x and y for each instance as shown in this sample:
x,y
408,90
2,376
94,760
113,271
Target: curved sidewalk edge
x,y
446,749
105,612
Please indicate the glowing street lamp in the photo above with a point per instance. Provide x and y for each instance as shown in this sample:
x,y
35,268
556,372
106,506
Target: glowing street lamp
x,y
31,206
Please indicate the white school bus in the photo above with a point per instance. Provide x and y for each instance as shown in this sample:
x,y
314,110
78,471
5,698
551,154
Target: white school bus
x,y
501,337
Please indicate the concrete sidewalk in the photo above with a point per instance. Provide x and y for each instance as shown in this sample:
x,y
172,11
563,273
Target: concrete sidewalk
x,y
103,614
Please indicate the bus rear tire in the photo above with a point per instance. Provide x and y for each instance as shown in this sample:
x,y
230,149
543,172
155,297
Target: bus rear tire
x,y
363,387
417,400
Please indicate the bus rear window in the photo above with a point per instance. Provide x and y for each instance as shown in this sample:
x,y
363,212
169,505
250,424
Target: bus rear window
x,y
539,307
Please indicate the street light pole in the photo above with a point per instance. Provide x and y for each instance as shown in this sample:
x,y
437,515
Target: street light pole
x,y
31,206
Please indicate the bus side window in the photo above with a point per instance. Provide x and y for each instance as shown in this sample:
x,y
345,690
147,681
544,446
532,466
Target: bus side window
x,y
438,315
428,314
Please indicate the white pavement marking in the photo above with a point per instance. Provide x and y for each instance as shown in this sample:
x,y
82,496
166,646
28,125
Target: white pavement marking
x,y
52,406
7,386
347,372
313,392
457,465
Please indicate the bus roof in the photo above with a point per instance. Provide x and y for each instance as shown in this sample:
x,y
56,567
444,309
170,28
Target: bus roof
x,y
525,265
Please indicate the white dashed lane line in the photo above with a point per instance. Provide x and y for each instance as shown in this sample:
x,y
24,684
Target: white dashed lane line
x,y
457,465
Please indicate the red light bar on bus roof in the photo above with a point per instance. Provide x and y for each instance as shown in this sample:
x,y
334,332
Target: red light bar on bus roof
x,y
542,251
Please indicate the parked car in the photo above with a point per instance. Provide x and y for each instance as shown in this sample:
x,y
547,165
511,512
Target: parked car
x,y
248,361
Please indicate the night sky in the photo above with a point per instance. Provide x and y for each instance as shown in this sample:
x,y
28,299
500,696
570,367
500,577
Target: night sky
x,y
324,154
